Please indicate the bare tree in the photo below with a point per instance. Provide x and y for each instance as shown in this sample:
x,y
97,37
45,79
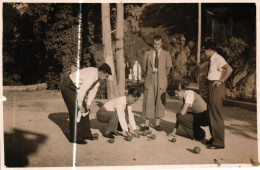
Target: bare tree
x,y
108,55
120,64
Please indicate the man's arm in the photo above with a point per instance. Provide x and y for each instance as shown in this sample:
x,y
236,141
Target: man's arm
x,y
184,109
131,118
121,117
144,65
227,70
91,95
168,63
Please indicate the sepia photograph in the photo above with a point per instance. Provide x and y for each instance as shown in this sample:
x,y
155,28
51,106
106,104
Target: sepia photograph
x,y
125,85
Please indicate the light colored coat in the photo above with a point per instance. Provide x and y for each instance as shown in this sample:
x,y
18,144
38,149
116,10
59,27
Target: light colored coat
x,y
164,63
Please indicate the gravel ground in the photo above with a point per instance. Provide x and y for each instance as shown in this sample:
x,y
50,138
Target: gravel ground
x,y
36,135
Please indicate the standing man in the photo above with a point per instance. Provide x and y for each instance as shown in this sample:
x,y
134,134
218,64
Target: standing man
x,y
192,115
78,98
137,71
219,71
157,64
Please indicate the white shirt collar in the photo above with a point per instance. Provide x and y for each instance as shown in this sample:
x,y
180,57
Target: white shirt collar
x,y
213,56
158,51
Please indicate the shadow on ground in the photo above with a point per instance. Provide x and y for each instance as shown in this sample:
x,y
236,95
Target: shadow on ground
x,y
166,125
61,119
19,144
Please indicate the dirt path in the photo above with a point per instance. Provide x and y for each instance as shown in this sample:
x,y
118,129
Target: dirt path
x,y
36,130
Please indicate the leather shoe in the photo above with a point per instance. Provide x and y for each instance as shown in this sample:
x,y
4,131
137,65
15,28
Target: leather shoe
x,y
90,138
81,142
115,133
209,142
215,147
109,135
158,128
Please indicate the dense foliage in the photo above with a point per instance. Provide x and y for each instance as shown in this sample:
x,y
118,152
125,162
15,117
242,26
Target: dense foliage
x,y
40,40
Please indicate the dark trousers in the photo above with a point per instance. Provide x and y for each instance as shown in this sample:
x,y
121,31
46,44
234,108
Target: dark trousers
x,y
78,131
189,125
110,117
216,96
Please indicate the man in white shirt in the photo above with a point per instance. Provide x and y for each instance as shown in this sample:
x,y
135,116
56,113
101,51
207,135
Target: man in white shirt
x,y
119,110
192,115
219,71
78,96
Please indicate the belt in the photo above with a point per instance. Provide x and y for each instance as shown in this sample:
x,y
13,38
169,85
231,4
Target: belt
x,y
211,81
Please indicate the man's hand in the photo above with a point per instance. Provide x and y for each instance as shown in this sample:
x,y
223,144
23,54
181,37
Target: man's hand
x,y
82,109
137,135
125,133
217,83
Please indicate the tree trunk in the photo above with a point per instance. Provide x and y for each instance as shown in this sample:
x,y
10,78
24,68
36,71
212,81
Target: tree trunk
x,y
108,55
120,64
213,28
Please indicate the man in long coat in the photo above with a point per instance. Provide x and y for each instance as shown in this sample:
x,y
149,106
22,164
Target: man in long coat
x,y
157,64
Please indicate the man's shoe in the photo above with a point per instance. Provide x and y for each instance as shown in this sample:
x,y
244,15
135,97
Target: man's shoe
x,y
215,147
158,128
90,138
144,128
209,142
115,133
81,142
109,135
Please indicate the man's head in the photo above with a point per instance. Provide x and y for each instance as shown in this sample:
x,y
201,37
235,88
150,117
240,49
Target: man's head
x,y
132,96
209,48
179,91
157,42
104,71
182,40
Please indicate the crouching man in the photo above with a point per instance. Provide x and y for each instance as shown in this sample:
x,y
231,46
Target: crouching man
x,y
188,123
118,113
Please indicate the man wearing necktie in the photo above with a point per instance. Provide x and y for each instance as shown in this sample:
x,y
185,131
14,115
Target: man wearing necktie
x,y
118,111
78,96
219,71
156,65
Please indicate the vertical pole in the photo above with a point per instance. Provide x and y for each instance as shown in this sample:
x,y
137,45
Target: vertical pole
x,y
199,39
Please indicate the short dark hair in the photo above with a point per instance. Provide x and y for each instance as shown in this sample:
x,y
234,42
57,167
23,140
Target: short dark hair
x,y
105,68
157,38
134,92
179,86
209,45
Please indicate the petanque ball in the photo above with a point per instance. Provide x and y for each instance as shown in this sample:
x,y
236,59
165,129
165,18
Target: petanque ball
x,y
145,133
153,136
111,140
173,140
95,135
196,149
128,138
149,132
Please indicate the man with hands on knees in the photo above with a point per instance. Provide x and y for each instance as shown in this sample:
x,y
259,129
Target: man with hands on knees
x,y
78,90
118,114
